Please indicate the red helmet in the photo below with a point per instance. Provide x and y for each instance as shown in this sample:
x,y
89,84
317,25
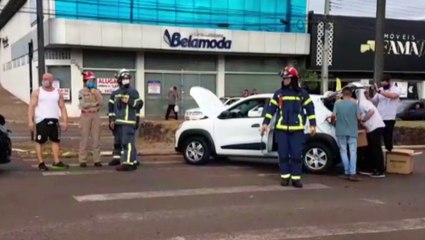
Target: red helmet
x,y
88,75
289,72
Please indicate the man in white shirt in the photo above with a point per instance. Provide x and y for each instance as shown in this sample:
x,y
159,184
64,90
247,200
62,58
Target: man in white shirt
x,y
387,99
374,125
46,106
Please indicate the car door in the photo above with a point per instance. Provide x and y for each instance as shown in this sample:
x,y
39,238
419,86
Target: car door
x,y
237,130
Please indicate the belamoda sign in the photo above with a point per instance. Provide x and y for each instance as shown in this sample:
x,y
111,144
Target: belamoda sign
x,y
353,44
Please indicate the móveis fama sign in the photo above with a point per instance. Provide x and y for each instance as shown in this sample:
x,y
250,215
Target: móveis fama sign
x,y
353,44
176,40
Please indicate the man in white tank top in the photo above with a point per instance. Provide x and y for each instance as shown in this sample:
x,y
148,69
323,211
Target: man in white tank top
x,y
46,106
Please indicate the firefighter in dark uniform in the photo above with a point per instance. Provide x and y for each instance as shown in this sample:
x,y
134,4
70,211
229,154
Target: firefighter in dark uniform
x,y
116,153
289,103
124,109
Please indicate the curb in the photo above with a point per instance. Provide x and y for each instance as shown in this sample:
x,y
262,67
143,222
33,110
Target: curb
x,y
70,154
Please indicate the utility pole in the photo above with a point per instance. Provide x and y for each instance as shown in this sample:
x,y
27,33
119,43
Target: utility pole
x,y
30,55
379,41
40,40
325,52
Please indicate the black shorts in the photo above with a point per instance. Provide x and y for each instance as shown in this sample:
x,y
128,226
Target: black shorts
x,y
48,129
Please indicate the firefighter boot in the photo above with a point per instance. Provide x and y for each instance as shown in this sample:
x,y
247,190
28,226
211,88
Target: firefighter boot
x,y
284,182
297,183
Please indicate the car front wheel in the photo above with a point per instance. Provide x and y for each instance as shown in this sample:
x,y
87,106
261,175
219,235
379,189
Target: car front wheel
x,y
317,157
196,151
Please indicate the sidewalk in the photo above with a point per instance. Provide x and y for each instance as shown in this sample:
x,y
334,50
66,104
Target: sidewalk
x,y
15,111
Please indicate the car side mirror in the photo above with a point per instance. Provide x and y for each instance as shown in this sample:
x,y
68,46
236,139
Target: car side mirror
x,y
224,115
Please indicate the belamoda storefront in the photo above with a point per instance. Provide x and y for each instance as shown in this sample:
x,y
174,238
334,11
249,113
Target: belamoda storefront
x,y
223,61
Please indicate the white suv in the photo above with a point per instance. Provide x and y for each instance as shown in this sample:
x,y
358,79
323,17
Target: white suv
x,y
233,131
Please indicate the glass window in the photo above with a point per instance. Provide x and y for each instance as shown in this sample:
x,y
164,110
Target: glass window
x,y
254,108
167,61
63,75
254,64
257,15
109,59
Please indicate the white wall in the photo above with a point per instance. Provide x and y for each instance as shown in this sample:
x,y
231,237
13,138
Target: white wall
x,y
117,35
15,80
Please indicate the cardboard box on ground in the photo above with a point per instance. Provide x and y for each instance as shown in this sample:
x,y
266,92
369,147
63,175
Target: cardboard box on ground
x,y
401,161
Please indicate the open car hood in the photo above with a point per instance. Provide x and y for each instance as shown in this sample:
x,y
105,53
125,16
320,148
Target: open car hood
x,y
207,101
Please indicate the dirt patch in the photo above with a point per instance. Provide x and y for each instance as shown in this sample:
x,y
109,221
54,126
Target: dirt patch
x,y
156,132
409,136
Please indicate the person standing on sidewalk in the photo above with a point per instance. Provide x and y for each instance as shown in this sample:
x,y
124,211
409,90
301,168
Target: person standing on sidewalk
x,y
173,98
347,115
373,164
387,99
290,103
90,102
45,107
124,121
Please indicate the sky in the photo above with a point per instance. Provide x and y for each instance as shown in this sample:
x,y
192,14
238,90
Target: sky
x,y
398,9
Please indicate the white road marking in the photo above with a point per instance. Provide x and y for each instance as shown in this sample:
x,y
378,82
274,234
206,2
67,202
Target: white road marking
x,y
84,172
267,174
375,201
305,232
190,192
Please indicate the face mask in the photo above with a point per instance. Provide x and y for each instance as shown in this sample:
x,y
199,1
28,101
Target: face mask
x,y
126,82
386,87
46,83
90,85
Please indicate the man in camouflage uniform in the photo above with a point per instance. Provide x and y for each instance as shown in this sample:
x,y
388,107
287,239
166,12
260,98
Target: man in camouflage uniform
x,y
90,103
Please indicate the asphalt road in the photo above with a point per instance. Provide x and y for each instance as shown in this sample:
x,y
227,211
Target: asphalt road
x,y
166,199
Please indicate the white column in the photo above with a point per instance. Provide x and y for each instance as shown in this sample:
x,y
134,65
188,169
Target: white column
x,y
421,89
140,78
76,81
220,76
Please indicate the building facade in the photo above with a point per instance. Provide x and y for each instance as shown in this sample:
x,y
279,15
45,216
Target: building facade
x,y
223,45
352,48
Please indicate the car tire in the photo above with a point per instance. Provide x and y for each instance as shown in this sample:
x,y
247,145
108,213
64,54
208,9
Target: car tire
x,y
317,157
196,151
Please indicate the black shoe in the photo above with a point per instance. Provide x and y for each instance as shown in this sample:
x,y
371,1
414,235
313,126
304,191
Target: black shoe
x,y
365,173
378,175
42,167
114,162
83,165
60,165
137,163
284,182
126,168
98,164
297,183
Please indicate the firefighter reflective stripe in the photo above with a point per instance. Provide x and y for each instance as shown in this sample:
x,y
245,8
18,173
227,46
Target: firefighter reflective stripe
x,y
116,157
285,176
274,102
280,126
291,98
296,177
111,114
308,101
269,116
129,153
125,121
126,113
135,102
111,101
137,114
311,117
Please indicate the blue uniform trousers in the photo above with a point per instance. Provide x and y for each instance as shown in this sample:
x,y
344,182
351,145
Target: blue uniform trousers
x,y
125,135
290,150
